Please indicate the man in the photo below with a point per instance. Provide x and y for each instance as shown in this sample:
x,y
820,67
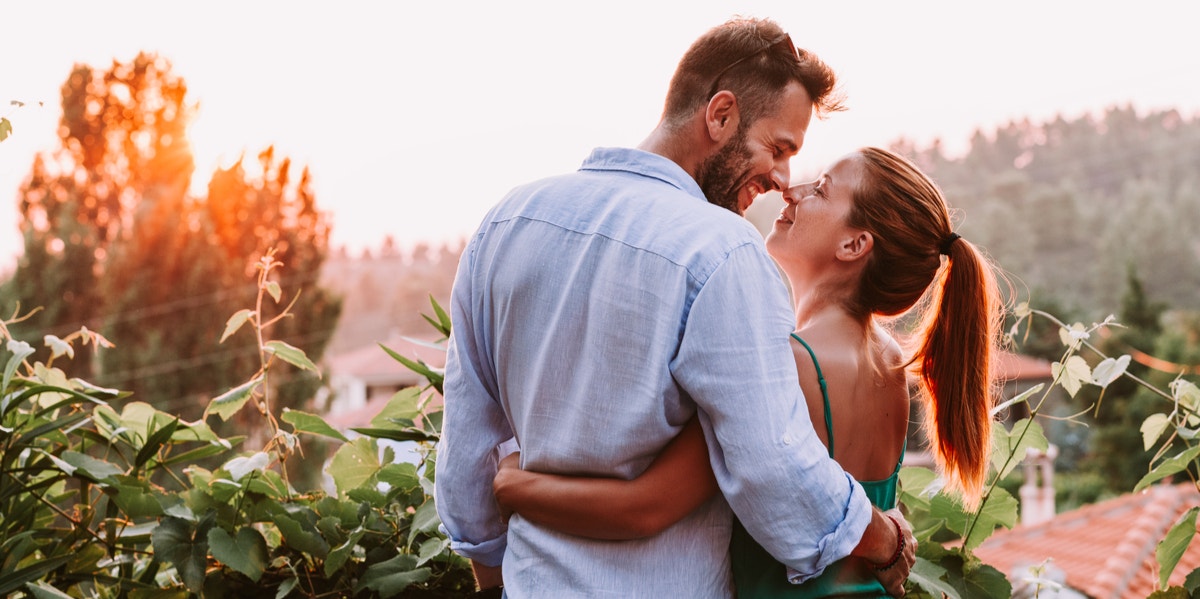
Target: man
x,y
594,313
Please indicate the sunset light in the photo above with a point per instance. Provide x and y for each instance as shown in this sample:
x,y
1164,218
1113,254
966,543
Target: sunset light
x,y
380,299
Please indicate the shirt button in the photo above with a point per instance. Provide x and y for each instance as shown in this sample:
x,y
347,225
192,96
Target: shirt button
x,y
787,439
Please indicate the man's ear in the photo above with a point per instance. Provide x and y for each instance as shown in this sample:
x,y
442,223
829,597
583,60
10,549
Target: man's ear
x,y
722,116
856,245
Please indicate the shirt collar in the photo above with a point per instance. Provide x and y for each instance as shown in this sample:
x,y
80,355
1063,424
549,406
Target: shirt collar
x,y
643,163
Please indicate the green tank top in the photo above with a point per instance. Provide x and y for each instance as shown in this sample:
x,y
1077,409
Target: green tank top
x,y
757,575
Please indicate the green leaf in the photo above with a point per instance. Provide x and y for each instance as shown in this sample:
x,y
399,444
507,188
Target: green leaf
x,y
240,466
337,558
393,576
95,469
1171,593
1020,398
246,554
1152,428
443,318
20,350
999,508
928,576
5,128
136,499
155,442
227,404
1009,447
312,424
197,431
97,391
270,484
1172,547
1072,337
85,559
234,323
432,548
286,587
159,594
354,464
300,537
1168,467
195,455
12,580
274,290
392,434
980,581
1071,374
1109,370
291,355
417,366
41,590
1187,395
425,520
178,542
369,495
1192,582
401,409
400,476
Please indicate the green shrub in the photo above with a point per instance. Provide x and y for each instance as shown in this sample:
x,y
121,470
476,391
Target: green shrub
x,y
101,497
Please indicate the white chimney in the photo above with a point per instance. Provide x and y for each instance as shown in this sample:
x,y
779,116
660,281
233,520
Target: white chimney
x,y
1037,493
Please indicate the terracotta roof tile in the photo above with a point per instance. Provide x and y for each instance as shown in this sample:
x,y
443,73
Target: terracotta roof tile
x,y
1106,549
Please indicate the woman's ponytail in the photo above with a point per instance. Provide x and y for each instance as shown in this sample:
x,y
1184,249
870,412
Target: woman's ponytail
x,y
957,345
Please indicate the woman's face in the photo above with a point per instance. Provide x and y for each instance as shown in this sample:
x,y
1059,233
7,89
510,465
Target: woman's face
x,y
812,224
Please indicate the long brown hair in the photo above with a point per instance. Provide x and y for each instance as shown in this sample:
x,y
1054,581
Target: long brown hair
x,y
958,335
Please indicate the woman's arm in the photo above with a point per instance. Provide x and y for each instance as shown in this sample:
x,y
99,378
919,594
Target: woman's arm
x,y
677,482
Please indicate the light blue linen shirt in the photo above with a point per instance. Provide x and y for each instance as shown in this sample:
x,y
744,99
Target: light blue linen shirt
x,y
594,313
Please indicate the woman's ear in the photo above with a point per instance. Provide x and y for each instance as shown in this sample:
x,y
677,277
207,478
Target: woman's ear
x,y
721,116
856,245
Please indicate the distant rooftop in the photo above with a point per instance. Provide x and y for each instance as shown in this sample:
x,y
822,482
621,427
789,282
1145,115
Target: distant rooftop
x,y
1105,549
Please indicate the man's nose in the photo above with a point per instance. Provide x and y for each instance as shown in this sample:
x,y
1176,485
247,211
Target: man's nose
x,y
780,176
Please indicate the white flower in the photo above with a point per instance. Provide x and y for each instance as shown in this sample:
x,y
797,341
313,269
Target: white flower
x,y
59,347
19,347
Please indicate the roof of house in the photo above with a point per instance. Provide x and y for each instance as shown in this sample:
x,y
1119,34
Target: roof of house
x,y
1107,549
1018,367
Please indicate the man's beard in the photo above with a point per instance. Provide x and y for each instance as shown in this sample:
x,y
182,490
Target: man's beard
x,y
718,175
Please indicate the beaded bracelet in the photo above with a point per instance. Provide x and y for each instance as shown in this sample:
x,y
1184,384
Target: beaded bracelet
x,y
899,547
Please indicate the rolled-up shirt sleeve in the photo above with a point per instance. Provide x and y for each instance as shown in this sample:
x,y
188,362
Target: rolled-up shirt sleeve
x,y
473,425
735,362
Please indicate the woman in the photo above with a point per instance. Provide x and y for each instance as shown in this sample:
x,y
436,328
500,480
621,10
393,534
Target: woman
x,y
863,242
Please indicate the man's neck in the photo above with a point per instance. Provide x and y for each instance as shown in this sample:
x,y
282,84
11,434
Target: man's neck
x,y
685,147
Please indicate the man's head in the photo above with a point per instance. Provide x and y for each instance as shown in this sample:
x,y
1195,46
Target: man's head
x,y
755,92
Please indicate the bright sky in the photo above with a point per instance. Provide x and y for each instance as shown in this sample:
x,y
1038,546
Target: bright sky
x,y
416,117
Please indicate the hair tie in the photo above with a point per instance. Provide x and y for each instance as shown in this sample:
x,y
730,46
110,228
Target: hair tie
x,y
944,249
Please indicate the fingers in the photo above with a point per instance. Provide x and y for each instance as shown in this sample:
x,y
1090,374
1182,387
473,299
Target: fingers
x,y
910,542
893,578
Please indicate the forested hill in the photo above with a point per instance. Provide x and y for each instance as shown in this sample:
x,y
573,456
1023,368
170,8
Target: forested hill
x,y
1065,207
1068,206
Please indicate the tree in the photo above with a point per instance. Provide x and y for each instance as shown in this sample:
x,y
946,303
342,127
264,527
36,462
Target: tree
x,y
122,137
113,241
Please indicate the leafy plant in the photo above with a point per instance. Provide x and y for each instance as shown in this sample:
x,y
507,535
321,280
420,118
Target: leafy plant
x,y
102,497
951,569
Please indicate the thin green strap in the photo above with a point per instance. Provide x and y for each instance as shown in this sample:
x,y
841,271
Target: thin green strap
x,y
824,392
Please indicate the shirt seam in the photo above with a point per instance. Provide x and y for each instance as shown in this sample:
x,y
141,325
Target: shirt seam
x,y
691,274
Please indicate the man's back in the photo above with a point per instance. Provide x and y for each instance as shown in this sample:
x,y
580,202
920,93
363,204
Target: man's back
x,y
575,332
